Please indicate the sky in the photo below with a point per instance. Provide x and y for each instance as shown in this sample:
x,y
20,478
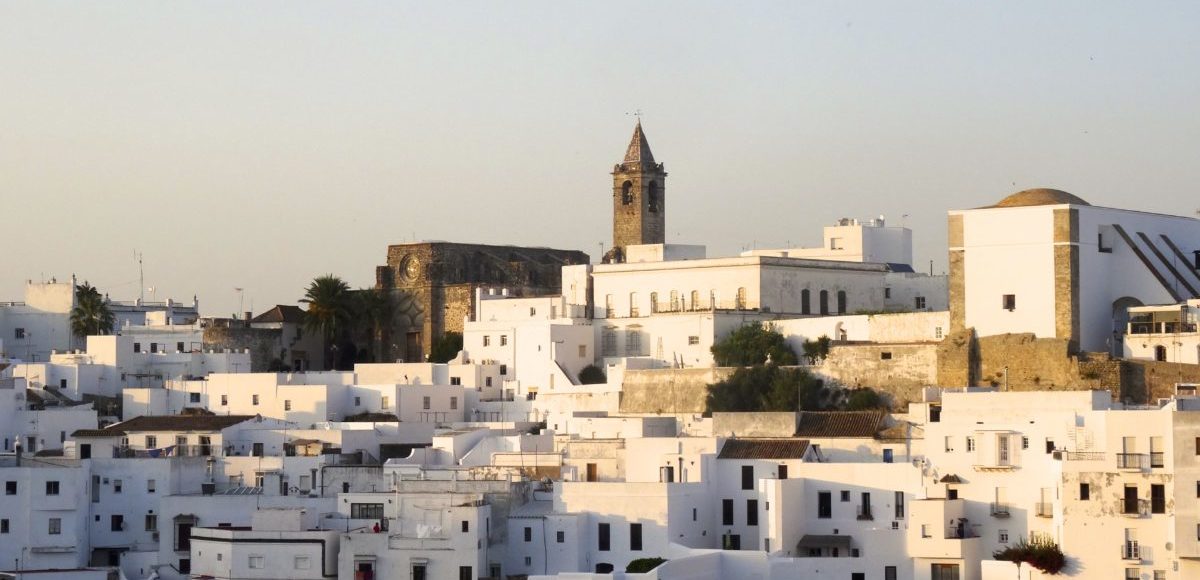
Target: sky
x,y
259,145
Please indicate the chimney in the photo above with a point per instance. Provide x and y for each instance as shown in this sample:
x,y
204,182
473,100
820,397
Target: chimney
x,y
246,318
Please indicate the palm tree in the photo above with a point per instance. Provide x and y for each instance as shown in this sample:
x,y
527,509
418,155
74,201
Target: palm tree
x,y
328,298
373,309
91,315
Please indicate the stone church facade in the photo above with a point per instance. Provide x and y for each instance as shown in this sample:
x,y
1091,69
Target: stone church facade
x,y
432,285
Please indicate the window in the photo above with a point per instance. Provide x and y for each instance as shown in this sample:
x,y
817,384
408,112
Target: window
x,y
937,333
887,293
51,488
845,495
194,397
583,351
1158,499
257,561
783,471
366,511
560,536
608,342
885,356
693,340
633,305
118,485
151,442
301,563
19,333
504,369
528,534
1160,575
54,526
602,537
224,400
4,526
635,537
654,198
1085,492
1003,536
453,403
841,302
627,193
1024,443
465,526
608,307
948,444
633,341
747,477
741,298
824,505
137,347
899,505
465,573
151,486
254,399
889,573
487,340
751,512
503,340
151,523
835,244
117,523
970,444
1009,302
919,303
887,455
456,381
804,300
426,402
10,488
727,512
1133,573
823,301
943,572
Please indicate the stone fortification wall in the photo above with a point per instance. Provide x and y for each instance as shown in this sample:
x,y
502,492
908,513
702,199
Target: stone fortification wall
x,y
668,390
896,370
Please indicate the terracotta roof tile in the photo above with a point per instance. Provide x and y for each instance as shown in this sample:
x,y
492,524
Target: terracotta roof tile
x,y
840,423
763,449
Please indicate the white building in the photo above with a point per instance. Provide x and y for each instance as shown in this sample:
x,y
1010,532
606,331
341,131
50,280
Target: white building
x,y
851,240
1080,267
1163,333
280,542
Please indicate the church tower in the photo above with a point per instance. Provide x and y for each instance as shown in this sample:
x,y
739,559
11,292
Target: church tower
x,y
639,198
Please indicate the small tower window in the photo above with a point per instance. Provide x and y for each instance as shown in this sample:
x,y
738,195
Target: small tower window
x,y
655,201
627,193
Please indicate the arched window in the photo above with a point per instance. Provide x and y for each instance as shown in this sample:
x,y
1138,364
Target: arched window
x,y
695,299
653,302
627,193
824,302
674,301
633,305
841,298
804,300
1160,353
741,298
655,199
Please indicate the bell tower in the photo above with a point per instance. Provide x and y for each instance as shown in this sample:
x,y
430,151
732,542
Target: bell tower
x,y
639,198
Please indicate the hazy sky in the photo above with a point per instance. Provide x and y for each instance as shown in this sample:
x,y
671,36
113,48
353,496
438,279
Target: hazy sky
x,y
260,144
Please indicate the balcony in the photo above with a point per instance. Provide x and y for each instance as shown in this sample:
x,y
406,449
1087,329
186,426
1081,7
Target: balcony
x,y
1133,508
1131,551
1156,459
1000,510
1044,510
961,531
864,512
1132,461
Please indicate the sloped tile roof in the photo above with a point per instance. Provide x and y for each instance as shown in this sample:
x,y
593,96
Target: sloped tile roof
x,y
166,423
840,423
763,449
281,313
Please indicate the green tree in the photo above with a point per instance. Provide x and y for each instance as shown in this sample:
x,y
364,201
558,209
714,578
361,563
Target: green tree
x,y
373,311
91,315
752,344
446,347
768,388
864,399
643,565
816,350
592,375
329,311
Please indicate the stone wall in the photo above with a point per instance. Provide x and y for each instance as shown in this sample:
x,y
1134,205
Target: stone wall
x,y
775,424
1149,381
262,343
668,390
896,370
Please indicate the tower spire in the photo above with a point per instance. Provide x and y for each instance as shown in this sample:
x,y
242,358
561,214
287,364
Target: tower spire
x,y
639,149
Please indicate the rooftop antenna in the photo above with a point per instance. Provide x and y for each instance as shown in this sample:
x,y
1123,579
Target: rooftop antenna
x,y
240,293
141,277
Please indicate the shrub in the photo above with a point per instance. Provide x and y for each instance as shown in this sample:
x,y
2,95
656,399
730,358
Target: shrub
x,y
1044,555
815,350
753,344
643,565
592,375
768,388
